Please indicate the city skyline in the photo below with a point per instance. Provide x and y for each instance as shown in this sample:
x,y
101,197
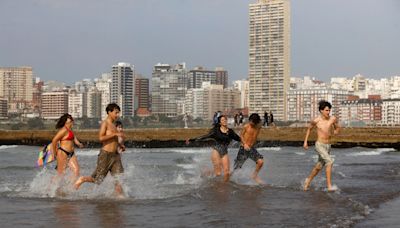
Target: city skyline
x,y
70,40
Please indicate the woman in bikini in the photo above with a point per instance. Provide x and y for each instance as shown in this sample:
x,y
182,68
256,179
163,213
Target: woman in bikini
x,y
64,142
223,137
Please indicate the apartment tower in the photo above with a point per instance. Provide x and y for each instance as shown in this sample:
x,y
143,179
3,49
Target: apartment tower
x,y
122,87
269,56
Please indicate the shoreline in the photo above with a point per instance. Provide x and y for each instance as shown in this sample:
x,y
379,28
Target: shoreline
x,y
377,137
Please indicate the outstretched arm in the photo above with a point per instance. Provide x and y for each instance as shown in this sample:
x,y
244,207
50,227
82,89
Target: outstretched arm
x,y
209,135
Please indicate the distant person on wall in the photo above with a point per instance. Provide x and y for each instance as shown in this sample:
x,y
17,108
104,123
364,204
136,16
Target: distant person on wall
x,y
271,119
266,119
185,120
222,135
324,125
236,119
241,118
64,144
108,160
247,150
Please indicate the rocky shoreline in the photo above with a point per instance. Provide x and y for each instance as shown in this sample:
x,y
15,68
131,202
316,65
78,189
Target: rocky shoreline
x,y
175,137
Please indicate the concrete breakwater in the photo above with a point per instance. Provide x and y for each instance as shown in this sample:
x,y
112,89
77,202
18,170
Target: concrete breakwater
x,y
175,137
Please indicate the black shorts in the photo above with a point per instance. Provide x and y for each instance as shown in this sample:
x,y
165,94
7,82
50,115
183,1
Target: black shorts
x,y
243,155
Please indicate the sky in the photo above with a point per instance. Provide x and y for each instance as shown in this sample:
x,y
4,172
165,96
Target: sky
x,y
68,40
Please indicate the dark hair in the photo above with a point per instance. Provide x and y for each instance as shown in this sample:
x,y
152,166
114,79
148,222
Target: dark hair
x,y
61,121
219,118
118,123
255,118
111,107
323,104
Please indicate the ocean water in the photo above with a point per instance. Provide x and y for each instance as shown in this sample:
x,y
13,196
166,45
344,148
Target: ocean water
x,y
166,188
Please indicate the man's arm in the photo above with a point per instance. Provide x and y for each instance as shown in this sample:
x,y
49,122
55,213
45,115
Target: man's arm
x,y
336,126
310,127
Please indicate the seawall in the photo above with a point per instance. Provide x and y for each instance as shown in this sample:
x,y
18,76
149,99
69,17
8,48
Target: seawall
x,y
175,137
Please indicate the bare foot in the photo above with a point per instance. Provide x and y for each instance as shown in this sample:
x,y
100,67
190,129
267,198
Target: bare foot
x,y
332,188
78,183
60,193
306,184
257,179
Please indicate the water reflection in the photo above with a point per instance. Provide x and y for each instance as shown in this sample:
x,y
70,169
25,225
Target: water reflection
x,y
110,214
67,214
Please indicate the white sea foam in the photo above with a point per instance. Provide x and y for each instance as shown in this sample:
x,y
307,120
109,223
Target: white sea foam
x,y
300,153
186,166
2,147
378,151
269,149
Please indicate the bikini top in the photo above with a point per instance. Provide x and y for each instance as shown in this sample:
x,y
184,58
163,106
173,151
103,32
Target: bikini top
x,y
70,136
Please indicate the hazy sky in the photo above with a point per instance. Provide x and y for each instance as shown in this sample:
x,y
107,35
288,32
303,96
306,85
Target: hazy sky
x,y
68,40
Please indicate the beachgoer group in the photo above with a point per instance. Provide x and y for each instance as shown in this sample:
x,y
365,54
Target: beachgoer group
x,y
112,137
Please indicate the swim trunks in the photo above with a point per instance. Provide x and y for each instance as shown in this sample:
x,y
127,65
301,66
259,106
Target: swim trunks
x,y
107,162
324,151
221,149
243,155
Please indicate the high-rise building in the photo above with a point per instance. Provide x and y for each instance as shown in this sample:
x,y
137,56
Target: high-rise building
x,y
269,56
243,87
221,77
122,87
169,85
198,75
204,102
93,97
142,93
16,85
75,103
3,108
54,104
103,84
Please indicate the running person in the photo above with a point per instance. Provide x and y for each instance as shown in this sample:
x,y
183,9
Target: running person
x,y
247,150
324,124
64,144
223,137
108,160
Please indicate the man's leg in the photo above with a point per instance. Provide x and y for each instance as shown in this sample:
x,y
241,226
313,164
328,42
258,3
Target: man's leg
x,y
259,165
313,173
328,176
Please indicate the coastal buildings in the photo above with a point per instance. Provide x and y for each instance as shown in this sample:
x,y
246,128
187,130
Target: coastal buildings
x,y
356,110
54,104
205,101
122,87
142,95
303,103
269,56
103,85
16,86
391,112
243,87
169,85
